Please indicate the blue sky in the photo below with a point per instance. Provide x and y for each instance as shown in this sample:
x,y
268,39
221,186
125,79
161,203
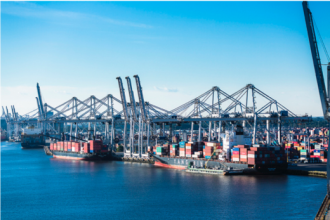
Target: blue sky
x,y
179,50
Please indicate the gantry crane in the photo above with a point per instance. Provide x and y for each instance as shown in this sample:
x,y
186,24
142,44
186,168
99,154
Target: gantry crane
x,y
124,103
324,96
134,117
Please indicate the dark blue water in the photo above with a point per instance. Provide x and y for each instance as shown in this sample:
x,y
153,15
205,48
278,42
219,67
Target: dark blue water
x,y
35,186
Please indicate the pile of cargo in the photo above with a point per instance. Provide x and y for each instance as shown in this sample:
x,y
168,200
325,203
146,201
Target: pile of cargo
x,y
94,146
245,154
298,150
174,150
182,149
211,150
162,150
266,155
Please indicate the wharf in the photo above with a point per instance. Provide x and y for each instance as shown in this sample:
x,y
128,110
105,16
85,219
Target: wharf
x,y
314,169
120,157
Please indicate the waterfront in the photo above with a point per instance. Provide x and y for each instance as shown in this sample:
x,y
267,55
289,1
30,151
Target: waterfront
x,y
35,186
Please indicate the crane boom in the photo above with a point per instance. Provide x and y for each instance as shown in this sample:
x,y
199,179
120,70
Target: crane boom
x,y
316,60
131,96
38,107
123,97
41,105
141,99
13,111
8,114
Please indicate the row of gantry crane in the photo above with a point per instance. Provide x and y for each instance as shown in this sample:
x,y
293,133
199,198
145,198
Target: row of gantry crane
x,y
143,124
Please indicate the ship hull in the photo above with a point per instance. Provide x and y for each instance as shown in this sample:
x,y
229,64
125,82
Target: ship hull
x,y
80,156
182,163
33,146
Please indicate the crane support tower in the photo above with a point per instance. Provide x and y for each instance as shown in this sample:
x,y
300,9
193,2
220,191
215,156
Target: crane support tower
x,y
324,96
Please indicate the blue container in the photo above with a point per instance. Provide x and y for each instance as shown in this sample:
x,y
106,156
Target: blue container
x,y
69,149
91,151
207,157
182,143
203,147
235,149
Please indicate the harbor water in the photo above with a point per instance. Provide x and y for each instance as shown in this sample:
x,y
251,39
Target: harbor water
x,y
36,186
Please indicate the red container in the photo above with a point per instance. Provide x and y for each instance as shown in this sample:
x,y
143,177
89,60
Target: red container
x,y
65,147
235,152
70,145
95,145
86,148
66,144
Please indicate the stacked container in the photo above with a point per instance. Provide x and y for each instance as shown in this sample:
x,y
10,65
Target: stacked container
x,y
208,152
235,154
182,149
264,155
86,148
243,154
191,148
303,153
174,150
95,146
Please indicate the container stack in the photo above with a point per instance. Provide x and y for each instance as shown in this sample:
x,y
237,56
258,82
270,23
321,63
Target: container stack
x,y
197,154
235,154
266,155
208,152
182,149
191,148
243,154
161,150
95,146
303,153
86,147
70,144
174,150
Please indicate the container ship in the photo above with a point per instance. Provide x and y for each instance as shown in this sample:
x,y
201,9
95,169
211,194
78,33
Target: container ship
x,y
32,137
235,152
90,150
3,135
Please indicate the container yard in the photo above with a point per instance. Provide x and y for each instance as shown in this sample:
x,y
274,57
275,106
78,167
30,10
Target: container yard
x,y
216,133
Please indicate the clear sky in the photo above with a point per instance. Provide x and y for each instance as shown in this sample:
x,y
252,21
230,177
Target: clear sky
x,y
179,50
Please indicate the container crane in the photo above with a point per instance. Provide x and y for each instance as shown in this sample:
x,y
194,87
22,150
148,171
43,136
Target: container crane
x,y
144,116
134,114
124,103
324,96
40,101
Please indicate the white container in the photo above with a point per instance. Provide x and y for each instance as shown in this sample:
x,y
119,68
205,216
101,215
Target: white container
x,y
73,149
251,155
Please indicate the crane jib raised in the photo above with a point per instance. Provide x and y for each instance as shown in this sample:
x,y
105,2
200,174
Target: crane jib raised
x,y
123,98
316,60
131,96
141,99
